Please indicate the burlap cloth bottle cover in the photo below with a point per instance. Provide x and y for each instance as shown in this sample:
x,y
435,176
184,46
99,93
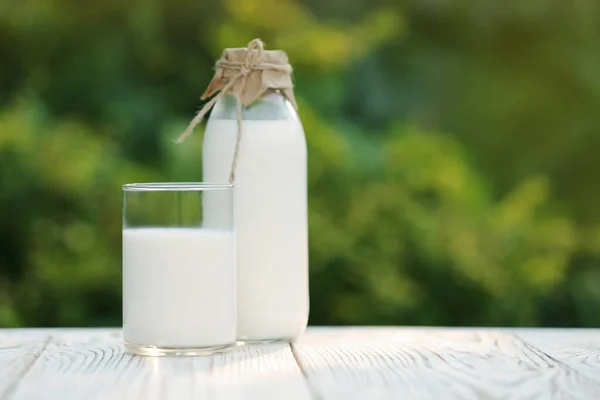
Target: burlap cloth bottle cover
x,y
247,73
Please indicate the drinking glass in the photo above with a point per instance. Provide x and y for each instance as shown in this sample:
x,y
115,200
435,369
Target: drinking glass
x,y
179,279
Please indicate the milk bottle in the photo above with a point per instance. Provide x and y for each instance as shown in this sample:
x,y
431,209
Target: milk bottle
x,y
254,139
270,213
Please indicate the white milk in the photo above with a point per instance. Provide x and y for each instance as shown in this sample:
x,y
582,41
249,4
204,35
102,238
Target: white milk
x,y
270,220
178,287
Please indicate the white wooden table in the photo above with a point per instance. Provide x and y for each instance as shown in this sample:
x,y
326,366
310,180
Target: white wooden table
x,y
327,363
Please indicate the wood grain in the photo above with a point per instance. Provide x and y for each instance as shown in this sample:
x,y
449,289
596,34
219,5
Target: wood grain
x,y
579,349
18,352
435,364
92,365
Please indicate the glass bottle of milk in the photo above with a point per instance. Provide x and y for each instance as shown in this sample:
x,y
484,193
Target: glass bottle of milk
x,y
270,212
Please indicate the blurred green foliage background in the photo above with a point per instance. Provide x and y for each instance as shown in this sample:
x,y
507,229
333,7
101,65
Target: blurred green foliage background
x,y
453,150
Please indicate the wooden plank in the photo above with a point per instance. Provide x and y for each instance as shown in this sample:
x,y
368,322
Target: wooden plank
x,y
18,352
258,372
92,364
371,363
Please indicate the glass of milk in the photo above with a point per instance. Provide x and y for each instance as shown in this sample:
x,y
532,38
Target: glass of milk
x,y
179,279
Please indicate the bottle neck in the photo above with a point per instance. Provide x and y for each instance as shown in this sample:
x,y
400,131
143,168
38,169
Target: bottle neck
x,y
271,106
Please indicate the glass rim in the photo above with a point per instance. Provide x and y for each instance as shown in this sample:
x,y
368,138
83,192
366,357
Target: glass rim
x,y
175,187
